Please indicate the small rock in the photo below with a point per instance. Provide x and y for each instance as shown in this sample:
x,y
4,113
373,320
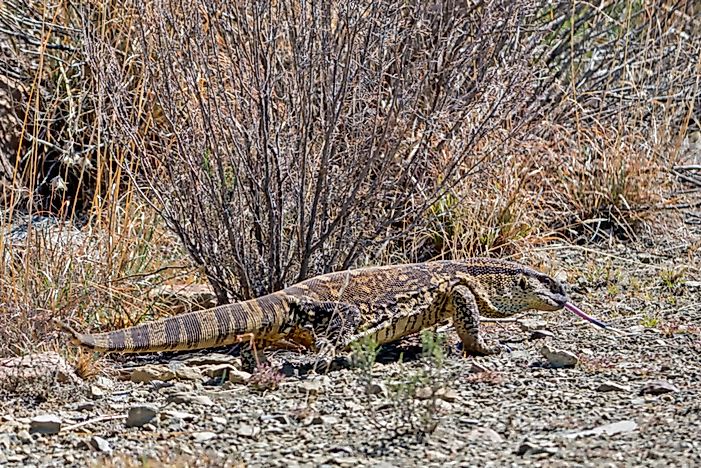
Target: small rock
x,y
485,433
541,334
24,437
374,388
104,382
609,386
476,368
218,420
531,325
189,398
608,429
203,436
221,371
559,358
214,359
100,444
188,373
85,406
311,386
657,387
246,430
96,392
140,415
447,394
45,424
151,372
530,448
184,415
328,420
424,393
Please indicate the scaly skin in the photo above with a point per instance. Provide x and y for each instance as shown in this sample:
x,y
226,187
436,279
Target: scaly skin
x,y
334,310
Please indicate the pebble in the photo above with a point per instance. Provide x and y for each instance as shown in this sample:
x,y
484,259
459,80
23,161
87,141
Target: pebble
x,y
24,436
189,398
657,387
423,393
447,394
374,388
559,358
484,433
608,429
609,386
141,415
246,430
541,334
218,420
531,448
45,424
184,415
150,373
476,368
100,444
203,436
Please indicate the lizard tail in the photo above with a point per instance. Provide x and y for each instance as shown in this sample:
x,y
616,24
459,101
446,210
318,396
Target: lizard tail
x,y
219,326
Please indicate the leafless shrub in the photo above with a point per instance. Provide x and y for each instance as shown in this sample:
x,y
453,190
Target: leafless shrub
x,y
296,138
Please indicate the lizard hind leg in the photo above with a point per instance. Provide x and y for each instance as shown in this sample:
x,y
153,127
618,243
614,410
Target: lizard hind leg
x,y
466,319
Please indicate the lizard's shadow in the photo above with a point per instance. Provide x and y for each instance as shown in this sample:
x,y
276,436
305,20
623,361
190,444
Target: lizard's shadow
x,y
301,365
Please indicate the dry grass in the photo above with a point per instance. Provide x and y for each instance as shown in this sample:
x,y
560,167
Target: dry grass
x,y
570,136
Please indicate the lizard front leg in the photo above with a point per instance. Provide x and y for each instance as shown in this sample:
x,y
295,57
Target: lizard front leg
x,y
466,319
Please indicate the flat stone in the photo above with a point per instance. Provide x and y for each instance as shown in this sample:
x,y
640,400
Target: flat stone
x,y
218,419
149,373
531,448
608,429
311,386
531,325
446,394
484,433
541,334
213,359
325,419
609,386
203,436
45,424
100,444
657,387
374,388
424,393
24,436
246,430
559,358
96,392
174,414
476,368
188,373
140,415
189,398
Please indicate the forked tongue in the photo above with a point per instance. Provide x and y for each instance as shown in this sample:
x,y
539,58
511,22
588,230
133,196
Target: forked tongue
x,y
575,310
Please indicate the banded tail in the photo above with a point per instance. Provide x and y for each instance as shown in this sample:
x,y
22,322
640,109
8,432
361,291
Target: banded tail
x,y
218,326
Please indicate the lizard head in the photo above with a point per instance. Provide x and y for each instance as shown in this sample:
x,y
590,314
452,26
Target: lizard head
x,y
540,291
529,289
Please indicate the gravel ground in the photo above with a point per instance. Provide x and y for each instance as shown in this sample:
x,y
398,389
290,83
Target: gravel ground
x,y
631,399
